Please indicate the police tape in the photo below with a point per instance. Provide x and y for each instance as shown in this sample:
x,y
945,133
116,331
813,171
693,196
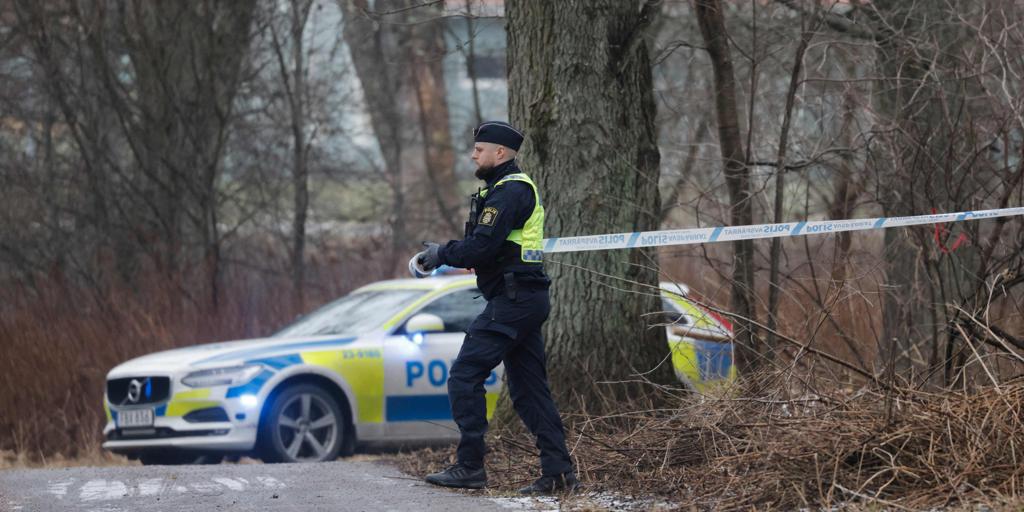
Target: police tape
x,y
732,233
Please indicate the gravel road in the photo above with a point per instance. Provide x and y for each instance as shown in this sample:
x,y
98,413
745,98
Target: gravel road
x,y
335,486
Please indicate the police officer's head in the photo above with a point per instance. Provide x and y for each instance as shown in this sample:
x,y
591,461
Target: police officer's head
x,y
494,143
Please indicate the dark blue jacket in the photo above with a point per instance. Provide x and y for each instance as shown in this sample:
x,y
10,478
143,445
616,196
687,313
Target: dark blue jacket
x,y
486,249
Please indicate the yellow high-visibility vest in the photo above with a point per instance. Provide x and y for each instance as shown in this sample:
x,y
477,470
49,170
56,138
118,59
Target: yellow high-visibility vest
x,y
531,236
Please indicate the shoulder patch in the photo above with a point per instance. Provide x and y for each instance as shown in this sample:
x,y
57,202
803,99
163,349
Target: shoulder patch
x,y
488,216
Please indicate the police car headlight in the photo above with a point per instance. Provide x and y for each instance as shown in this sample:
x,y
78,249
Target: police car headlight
x,y
226,376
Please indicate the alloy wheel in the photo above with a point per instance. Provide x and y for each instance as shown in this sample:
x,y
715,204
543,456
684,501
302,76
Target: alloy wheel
x,y
307,427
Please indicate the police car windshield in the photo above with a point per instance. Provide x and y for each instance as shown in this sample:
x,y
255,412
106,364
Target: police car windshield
x,y
352,314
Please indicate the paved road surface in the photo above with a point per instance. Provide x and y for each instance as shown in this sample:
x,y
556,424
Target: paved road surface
x,y
334,486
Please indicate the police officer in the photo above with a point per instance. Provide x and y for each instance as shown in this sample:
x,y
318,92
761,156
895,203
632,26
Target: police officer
x,y
503,244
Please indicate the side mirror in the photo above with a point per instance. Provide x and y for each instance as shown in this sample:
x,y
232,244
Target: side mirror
x,y
424,323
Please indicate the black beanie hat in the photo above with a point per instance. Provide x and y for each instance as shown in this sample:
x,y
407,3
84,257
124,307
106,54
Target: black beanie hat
x,y
498,132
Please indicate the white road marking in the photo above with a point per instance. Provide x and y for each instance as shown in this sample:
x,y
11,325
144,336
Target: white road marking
x,y
59,489
103,490
230,483
271,482
209,488
151,487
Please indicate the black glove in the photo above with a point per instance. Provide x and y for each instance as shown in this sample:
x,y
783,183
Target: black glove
x,y
429,259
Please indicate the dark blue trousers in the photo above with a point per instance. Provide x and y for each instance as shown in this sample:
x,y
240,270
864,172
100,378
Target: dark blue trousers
x,y
508,331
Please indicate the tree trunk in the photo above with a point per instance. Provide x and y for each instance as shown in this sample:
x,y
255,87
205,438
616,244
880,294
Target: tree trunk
x,y
471,61
846,191
293,78
172,117
774,286
737,178
426,58
580,88
374,51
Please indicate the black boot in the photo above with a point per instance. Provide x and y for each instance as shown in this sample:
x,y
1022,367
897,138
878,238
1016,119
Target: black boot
x,y
459,476
566,482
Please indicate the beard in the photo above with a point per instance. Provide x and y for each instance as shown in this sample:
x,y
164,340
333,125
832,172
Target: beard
x,y
483,171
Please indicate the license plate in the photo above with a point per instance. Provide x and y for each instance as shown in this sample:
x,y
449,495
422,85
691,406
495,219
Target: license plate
x,y
135,418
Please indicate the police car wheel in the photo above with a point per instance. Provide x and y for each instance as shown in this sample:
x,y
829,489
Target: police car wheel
x,y
304,424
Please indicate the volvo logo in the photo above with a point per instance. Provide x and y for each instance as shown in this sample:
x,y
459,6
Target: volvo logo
x,y
134,391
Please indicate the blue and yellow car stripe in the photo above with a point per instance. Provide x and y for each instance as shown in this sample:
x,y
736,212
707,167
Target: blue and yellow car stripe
x,y
702,362
364,371
184,402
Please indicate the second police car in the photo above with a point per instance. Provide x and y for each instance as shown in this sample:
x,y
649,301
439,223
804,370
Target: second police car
x,y
370,367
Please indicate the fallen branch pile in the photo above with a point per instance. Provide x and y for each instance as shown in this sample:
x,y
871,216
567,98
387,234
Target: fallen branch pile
x,y
901,449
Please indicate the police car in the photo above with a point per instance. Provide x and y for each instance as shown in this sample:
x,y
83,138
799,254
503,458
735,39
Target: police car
x,y
370,367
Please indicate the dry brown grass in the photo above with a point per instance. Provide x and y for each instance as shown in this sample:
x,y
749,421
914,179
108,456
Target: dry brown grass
x,y
57,344
864,448
787,444
58,340
94,457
